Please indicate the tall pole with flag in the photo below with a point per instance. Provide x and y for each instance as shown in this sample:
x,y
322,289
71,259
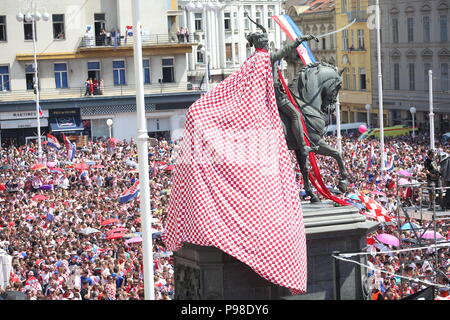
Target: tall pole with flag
x,y
430,79
380,85
142,144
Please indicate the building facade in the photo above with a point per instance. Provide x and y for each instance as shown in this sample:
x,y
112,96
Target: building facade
x,y
93,40
415,39
220,27
314,17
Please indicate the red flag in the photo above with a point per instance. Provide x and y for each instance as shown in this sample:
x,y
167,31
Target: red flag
x,y
234,186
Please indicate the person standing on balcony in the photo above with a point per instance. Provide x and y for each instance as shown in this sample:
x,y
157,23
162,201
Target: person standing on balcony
x,y
101,87
187,35
103,37
179,35
95,86
91,87
183,34
87,86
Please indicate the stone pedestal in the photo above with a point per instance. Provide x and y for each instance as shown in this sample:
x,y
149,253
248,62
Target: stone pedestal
x,y
206,273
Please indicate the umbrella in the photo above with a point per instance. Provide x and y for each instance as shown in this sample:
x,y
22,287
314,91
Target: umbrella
x,y
379,193
109,221
410,226
51,164
430,235
403,181
171,167
98,166
54,170
134,240
404,173
90,162
115,236
116,230
5,167
353,196
388,239
114,140
81,166
39,197
46,187
87,231
38,166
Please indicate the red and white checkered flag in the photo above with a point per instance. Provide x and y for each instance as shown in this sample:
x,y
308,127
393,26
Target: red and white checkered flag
x,y
374,210
234,185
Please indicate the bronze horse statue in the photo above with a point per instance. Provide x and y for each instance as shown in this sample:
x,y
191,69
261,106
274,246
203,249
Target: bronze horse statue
x,y
315,90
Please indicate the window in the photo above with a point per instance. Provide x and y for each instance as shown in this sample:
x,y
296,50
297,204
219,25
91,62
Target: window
x,y
229,52
28,30
426,68
347,79
61,76
58,27
168,70
200,57
4,78
198,21
94,70
412,77
258,15
362,79
344,6
352,37
227,21
235,20
345,40
119,72
146,64
361,38
270,12
426,29
444,76
247,9
2,28
395,30
443,24
324,44
29,76
410,23
354,79
396,76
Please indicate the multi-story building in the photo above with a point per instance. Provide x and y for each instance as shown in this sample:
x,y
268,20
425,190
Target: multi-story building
x,y
91,39
353,49
314,17
415,39
220,27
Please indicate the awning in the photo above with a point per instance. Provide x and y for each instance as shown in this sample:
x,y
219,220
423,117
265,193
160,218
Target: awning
x,y
68,123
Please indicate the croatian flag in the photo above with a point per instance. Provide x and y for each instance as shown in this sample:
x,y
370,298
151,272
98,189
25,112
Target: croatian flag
x,y
53,142
70,147
390,164
293,32
130,193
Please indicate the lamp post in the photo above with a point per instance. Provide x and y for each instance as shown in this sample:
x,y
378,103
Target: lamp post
x,y
109,122
368,106
413,112
142,144
338,124
380,86
33,16
430,79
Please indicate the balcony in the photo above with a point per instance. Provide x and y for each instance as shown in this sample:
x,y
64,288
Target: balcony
x,y
78,92
95,47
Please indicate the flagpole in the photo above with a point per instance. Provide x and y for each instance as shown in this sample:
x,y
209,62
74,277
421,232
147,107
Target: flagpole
x,y
36,84
142,144
430,79
380,87
338,125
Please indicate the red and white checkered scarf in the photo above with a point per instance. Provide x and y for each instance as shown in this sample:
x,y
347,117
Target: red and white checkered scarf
x,y
234,184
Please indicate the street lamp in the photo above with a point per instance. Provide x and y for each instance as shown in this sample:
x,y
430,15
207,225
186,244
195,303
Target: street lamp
x,y
109,123
33,15
368,106
413,112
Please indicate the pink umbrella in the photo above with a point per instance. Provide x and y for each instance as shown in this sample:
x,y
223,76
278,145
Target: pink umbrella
x,y
403,181
134,240
430,235
388,239
51,164
404,173
116,230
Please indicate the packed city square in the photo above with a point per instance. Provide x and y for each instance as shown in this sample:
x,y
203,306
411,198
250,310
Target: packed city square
x,y
46,208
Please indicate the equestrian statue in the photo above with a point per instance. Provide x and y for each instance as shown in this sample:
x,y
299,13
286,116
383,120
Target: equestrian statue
x,y
315,90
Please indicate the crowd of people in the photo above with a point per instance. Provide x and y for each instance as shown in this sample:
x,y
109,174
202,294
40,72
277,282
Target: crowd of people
x,y
72,239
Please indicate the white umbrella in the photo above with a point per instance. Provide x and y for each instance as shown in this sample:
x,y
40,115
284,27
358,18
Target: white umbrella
x,y
89,230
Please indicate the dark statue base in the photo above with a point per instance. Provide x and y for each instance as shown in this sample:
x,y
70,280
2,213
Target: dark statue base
x,y
206,273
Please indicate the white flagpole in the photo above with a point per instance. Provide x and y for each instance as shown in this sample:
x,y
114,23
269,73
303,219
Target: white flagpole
x,y
142,144
338,125
380,86
430,79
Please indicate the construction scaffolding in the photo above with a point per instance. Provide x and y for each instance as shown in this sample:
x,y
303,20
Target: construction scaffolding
x,y
422,225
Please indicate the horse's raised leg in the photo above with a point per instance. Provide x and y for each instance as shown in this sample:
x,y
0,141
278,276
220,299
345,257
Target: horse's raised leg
x,y
326,150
